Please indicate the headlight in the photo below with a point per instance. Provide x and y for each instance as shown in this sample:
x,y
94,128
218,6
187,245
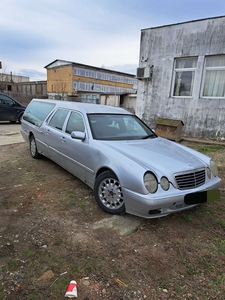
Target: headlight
x,y
208,172
213,167
150,182
164,182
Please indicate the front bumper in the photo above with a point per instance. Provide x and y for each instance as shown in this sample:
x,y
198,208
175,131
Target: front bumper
x,y
154,206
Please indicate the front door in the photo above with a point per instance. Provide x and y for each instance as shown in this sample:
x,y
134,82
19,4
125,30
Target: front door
x,y
74,152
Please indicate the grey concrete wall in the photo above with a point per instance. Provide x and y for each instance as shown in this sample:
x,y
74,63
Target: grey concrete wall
x,y
129,102
159,46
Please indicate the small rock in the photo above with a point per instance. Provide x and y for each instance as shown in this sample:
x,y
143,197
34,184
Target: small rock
x,y
86,283
46,276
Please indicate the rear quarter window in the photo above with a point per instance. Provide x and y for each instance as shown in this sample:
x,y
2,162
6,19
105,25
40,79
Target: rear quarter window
x,y
36,112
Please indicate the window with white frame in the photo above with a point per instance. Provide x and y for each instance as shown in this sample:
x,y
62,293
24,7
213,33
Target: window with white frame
x,y
214,77
184,75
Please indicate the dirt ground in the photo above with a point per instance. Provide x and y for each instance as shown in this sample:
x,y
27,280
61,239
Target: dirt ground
x,y
47,239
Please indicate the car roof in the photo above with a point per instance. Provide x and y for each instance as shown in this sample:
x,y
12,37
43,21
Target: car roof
x,y
6,95
86,107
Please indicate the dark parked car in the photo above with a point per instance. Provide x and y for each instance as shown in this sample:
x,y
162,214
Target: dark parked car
x,y
10,109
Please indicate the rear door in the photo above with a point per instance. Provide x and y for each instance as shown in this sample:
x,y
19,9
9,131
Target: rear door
x,y
54,134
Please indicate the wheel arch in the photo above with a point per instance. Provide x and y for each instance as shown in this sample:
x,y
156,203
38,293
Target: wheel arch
x,y
30,135
20,117
103,169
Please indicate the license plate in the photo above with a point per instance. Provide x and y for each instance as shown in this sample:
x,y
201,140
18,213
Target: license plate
x,y
202,197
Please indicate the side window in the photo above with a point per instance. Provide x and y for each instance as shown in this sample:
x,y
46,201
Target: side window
x,y
75,123
184,75
214,77
6,101
36,112
58,119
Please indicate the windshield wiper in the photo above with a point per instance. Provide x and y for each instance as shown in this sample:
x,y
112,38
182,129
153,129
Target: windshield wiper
x,y
149,136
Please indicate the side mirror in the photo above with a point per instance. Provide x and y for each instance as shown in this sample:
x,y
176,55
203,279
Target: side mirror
x,y
78,135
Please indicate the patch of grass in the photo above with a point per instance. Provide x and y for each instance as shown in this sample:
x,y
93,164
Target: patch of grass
x,y
1,290
205,209
220,223
207,264
27,253
79,271
60,284
220,245
191,271
76,270
81,205
32,297
178,288
71,194
9,204
39,177
207,148
11,263
188,217
87,269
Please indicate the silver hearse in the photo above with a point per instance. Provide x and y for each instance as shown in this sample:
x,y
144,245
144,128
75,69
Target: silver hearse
x,y
129,167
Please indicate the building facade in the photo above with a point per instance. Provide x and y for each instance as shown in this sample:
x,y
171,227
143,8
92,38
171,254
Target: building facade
x,y
21,88
182,76
78,82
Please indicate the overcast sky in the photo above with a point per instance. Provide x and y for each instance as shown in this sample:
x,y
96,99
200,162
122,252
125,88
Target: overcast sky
x,y
101,33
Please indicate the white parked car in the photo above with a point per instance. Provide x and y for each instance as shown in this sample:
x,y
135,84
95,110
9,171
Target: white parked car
x,y
129,167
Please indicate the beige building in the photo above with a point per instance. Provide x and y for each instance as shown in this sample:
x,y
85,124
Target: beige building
x,y
78,82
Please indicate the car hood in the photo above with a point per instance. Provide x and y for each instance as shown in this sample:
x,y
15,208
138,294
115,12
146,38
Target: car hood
x,y
159,154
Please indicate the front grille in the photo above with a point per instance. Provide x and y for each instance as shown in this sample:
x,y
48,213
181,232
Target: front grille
x,y
190,180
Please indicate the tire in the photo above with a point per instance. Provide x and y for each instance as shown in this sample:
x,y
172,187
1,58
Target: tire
x,y
108,193
33,148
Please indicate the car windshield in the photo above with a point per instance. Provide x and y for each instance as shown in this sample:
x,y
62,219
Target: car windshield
x,y
118,127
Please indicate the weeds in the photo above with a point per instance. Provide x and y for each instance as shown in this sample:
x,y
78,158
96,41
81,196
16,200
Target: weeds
x,y
220,245
220,223
32,297
207,148
27,253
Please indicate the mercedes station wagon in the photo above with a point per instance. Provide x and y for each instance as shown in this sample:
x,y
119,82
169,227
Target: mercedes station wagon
x,y
130,169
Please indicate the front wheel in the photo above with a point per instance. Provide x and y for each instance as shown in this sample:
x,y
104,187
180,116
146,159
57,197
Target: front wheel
x,y
33,148
108,193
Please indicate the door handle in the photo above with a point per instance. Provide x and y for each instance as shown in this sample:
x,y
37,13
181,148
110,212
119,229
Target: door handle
x,y
63,139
